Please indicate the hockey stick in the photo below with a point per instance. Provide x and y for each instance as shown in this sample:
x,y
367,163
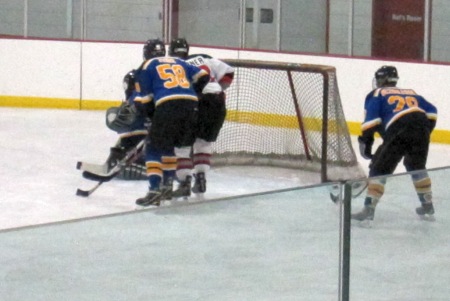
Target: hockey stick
x,y
86,193
95,167
129,158
103,177
92,167
357,189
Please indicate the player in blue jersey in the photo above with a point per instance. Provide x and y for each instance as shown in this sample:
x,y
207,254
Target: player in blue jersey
x,y
405,121
171,86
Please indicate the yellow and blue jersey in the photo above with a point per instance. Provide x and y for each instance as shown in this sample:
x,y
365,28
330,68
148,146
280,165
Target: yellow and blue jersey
x,y
164,79
384,106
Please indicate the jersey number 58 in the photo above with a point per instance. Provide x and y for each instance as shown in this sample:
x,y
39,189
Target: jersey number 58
x,y
173,76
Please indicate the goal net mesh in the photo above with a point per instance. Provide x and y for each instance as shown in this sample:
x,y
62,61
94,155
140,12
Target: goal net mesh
x,y
286,115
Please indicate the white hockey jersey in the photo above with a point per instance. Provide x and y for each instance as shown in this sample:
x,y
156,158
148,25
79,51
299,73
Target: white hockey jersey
x,y
216,69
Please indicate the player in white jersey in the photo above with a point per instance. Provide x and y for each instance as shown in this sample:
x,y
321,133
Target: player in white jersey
x,y
212,113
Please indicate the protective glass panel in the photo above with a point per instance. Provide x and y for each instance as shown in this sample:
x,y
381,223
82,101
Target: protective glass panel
x,y
276,246
400,256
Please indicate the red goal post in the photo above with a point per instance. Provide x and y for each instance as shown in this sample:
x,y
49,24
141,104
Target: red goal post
x,y
286,115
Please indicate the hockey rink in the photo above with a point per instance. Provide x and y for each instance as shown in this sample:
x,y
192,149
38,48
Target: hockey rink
x,y
280,246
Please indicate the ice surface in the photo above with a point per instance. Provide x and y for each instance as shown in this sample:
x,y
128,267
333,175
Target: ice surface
x,y
280,246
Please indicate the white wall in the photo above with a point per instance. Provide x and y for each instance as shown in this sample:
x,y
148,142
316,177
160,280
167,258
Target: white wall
x,y
40,68
52,69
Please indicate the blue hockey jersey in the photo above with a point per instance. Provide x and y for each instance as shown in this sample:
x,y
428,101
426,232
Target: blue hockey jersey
x,y
384,106
166,78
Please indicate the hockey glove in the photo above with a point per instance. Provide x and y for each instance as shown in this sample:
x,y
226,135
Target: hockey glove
x,y
365,148
431,124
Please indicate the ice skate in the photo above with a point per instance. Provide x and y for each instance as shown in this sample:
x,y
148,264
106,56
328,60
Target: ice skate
x,y
366,214
153,198
184,189
426,211
200,183
167,189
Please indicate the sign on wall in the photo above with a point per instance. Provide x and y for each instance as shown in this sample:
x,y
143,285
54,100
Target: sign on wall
x,y
398,29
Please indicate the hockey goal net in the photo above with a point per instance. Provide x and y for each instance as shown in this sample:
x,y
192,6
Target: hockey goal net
x,y
286,115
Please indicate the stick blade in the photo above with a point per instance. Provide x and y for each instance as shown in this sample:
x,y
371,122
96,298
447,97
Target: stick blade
x,y
99,178
82,193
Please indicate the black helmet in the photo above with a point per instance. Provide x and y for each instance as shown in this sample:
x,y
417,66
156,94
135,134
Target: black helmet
x,y
129,82
179,48
386,76
154,48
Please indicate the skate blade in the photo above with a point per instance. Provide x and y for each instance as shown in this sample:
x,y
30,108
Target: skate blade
x,y
142,207
166,203
139,207
366,224
179,201
180,198
427,218
200,196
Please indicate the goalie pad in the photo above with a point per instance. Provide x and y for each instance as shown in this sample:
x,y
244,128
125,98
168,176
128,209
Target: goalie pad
x,y
120,119
133,172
